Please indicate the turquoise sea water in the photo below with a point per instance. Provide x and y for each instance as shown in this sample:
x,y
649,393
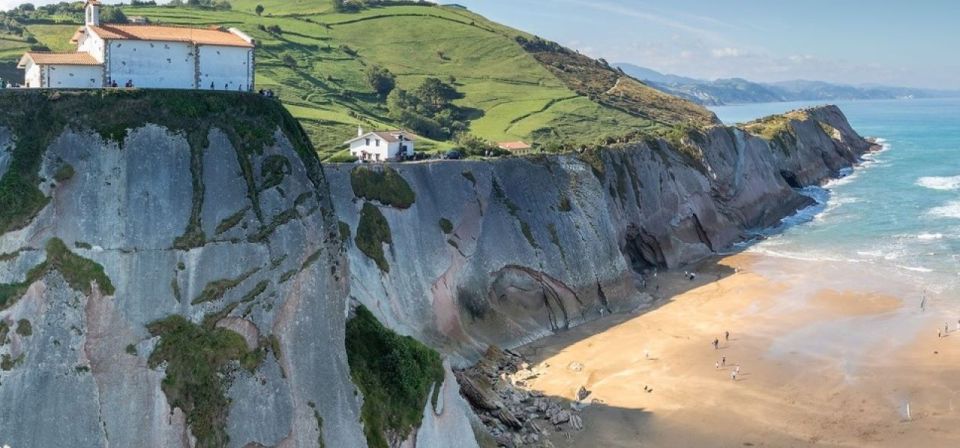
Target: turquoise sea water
x,y
899,210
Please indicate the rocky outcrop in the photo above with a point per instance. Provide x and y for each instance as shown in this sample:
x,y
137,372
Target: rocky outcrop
x,y
539,244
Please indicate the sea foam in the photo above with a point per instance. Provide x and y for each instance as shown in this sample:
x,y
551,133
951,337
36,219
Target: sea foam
x,y
940,183
950,210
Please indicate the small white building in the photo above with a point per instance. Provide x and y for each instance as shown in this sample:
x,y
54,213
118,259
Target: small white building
x,y
145,56
381,146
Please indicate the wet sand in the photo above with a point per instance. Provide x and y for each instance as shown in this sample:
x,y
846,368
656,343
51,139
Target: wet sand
x,y
829,355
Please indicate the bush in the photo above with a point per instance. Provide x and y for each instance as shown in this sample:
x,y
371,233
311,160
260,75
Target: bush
x,y
24,328
342,157
446,226
385,186
394,373
373,232
195,358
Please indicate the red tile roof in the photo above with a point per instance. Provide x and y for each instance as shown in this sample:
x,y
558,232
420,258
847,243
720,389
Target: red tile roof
x,y
198,36
41,58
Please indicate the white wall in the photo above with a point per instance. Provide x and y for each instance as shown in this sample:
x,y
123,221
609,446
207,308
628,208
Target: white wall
x,y
387,151
93,44
152,64
226,67
31,77
358,147
74,76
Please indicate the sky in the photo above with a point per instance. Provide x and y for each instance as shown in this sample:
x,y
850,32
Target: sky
x,y
889,42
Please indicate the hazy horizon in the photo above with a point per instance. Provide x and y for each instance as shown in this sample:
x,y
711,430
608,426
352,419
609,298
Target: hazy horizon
x,y
757,40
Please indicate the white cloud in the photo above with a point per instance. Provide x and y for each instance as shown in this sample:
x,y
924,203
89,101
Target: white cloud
x,y
726,52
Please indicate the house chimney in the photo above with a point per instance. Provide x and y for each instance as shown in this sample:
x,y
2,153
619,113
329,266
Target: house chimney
x,y
359,131
93,13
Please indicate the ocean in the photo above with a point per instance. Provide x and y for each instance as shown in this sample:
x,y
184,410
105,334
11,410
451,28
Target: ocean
x,y
898,212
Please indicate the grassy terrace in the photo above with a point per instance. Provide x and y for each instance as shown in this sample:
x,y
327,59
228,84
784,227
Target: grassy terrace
x,y
317,63
773,126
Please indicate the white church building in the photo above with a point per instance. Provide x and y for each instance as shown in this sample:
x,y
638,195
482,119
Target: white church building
x,y
145,56
381,146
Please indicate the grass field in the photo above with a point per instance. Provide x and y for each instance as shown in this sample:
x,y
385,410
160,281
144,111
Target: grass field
x,y
516,96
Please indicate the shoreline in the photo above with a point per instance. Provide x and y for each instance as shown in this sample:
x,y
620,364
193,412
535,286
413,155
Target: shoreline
x,y
822,362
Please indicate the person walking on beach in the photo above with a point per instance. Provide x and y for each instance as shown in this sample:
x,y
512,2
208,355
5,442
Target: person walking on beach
x,y
717,365
733,375
946,329
939,334
723,361
716,344
726,336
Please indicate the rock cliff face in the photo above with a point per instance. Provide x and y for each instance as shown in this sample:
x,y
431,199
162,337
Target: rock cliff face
x,y
536,245
269,268
187,281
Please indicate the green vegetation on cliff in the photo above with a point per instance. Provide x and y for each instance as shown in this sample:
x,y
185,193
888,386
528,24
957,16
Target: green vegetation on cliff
x,y
394,373
333,73
195,357
384,185
373,232
78,271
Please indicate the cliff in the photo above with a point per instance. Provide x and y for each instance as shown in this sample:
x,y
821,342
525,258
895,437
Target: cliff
x,y
217,317
178,269
503,252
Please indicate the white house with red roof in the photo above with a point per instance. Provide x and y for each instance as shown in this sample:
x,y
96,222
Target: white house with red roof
x,y
381,146
145,56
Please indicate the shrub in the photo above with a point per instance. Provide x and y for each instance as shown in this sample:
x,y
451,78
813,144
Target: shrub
x,y
372,233
446,226
394,373
24,328
196,357
385,186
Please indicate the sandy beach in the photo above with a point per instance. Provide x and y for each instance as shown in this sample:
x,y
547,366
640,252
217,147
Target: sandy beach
x,y
828,355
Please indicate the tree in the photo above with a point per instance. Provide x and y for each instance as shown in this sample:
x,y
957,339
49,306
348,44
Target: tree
x,y
380,80
113,15
436,94
258,10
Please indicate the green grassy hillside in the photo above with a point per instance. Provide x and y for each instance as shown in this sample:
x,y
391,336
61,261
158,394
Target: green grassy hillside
x,y
317,61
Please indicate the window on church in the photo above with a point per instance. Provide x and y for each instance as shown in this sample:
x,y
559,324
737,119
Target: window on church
x,y
368,142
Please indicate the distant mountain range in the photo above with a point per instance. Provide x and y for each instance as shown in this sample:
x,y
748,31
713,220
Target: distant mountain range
x,y
738,90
